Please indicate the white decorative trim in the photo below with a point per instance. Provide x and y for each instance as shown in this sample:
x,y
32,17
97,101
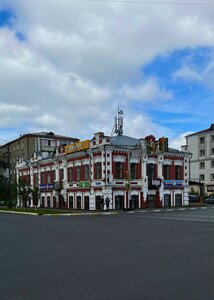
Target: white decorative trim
x,y
77,163
97,159
151,192
167,192
119,193
70,164
119,158
178,162
85,162
167,162
152,160
98,193
178,192
134,160
135,193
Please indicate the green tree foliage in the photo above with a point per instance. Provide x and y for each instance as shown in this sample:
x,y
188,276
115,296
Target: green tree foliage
x,y
8,192
35,196
24,192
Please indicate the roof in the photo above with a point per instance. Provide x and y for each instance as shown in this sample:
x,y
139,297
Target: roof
x,y
203,131
124,140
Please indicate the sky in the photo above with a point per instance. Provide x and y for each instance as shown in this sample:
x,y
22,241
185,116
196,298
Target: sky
x,y
66,66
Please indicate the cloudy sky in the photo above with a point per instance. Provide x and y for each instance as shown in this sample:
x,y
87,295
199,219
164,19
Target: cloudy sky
x,y
67,65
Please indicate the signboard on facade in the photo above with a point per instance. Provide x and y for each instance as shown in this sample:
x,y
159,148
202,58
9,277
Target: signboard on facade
x,y
154,183
210,188
173,183
48,148
84,184
46,187
83,145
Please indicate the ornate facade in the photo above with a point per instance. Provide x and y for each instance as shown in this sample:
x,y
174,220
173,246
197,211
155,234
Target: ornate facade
x,y
130,173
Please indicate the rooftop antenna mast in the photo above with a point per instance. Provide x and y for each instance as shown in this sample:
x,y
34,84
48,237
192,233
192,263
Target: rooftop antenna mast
x,y
118,123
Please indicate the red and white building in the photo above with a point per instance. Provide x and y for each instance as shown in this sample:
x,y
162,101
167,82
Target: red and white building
x,y
131,173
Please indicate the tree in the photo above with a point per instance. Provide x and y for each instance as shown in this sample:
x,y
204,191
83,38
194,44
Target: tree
x,y
35,196
8,192
24,192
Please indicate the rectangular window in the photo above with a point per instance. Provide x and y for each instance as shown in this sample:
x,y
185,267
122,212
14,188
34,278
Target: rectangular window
x,y
98,171
35,179
78,173
212,151
212,138
70,174
86,172
201,176
42,177
48,177
212,177
52,143
133,171
202,140
61,174
151,171
166,172
202,165
119,170
212,163
44,142
202,152
178,172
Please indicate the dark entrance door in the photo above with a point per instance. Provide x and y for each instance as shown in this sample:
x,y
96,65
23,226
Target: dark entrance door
x,y
87,202
78,202
134,203
167,200
151,201
98,200
119,202
71,202
178,200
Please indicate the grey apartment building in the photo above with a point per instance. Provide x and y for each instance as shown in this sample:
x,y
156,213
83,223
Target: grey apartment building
x,y
27,145
201,145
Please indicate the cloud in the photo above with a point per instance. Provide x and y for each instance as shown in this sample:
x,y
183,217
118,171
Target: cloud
x,y
79,61
148,91
187,73
179,141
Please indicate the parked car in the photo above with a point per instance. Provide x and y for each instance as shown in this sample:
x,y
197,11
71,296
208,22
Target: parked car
x,y
209,200
194,198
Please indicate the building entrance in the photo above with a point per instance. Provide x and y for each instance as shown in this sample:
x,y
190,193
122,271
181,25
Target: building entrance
x,y
119,202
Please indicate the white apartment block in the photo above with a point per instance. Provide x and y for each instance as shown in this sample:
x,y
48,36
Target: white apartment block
x,y
201,145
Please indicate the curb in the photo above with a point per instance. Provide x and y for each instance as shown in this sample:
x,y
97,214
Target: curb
x,y
64,215
19,212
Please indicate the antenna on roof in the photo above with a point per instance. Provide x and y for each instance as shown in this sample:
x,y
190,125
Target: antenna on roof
x,y
118,123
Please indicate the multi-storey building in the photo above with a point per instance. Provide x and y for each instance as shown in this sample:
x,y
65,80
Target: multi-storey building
x,y
201,145
24,147
131,173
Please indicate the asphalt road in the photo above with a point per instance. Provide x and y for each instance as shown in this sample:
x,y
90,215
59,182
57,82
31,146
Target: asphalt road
x,y
141,255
